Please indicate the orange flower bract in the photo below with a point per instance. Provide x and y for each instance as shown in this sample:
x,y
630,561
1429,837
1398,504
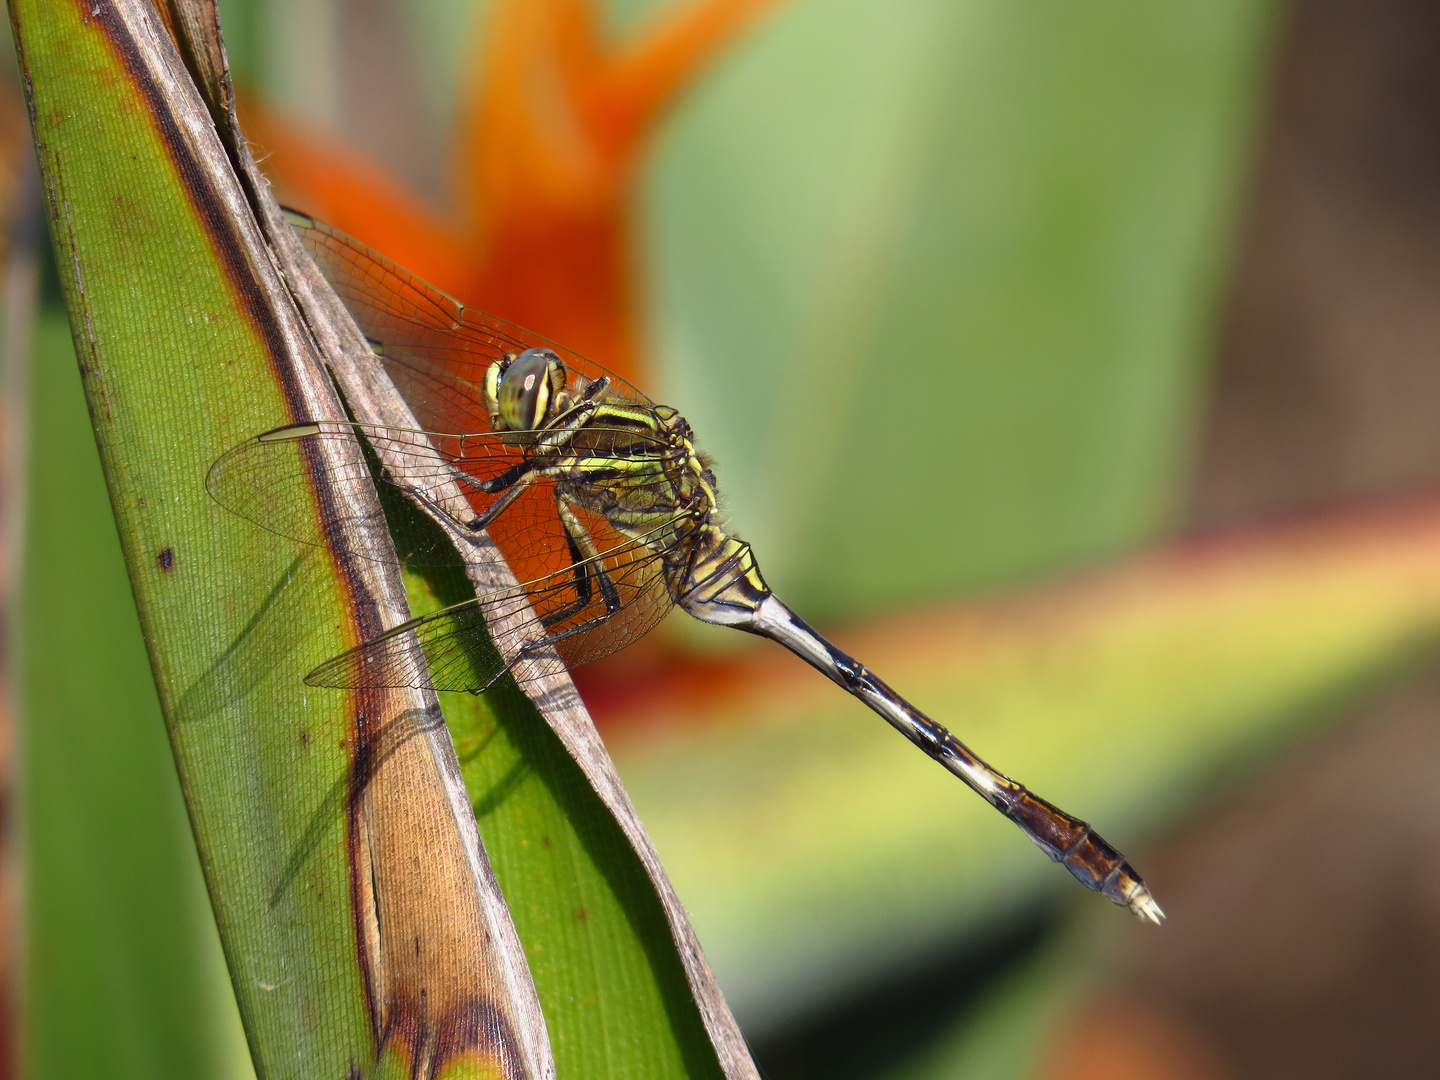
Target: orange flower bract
x,y
552,134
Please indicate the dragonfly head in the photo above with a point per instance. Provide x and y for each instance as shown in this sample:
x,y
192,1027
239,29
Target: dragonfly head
x,y
521,390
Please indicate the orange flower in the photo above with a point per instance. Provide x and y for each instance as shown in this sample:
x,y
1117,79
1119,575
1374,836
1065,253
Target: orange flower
x,y
550,142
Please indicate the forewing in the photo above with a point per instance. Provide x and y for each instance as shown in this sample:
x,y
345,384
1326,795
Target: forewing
x,y
267,479
436,349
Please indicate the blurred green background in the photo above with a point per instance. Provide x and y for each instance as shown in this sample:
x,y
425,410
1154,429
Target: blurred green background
x,y
1075,366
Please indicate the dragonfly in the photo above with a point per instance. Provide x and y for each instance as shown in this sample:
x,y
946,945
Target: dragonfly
x,y
602,505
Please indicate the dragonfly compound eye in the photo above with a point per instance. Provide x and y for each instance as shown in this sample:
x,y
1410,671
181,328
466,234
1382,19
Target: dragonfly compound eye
x,y
525,390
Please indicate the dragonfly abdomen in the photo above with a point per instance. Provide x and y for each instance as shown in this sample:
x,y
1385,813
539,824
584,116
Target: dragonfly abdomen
x,y
1080,849
1066,839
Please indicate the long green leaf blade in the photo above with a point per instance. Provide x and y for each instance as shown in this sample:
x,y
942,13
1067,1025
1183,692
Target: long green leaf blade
x,y
125,974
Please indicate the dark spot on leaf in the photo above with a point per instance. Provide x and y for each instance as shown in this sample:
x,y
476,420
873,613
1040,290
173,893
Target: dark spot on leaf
x,y
545,840
581,914
166,559
305,739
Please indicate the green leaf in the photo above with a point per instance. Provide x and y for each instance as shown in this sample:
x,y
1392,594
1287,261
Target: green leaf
x,y
125,974
616,999
175,371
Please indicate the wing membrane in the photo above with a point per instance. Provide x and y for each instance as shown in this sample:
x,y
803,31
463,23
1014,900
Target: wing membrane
x,y
435,348
451,649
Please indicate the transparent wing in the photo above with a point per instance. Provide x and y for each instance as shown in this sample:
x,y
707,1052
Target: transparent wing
x,y
573,624
436,349
267,481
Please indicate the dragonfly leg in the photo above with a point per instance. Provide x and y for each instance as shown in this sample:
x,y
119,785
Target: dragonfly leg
x,y
499,506
587,566
516,488
506,479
